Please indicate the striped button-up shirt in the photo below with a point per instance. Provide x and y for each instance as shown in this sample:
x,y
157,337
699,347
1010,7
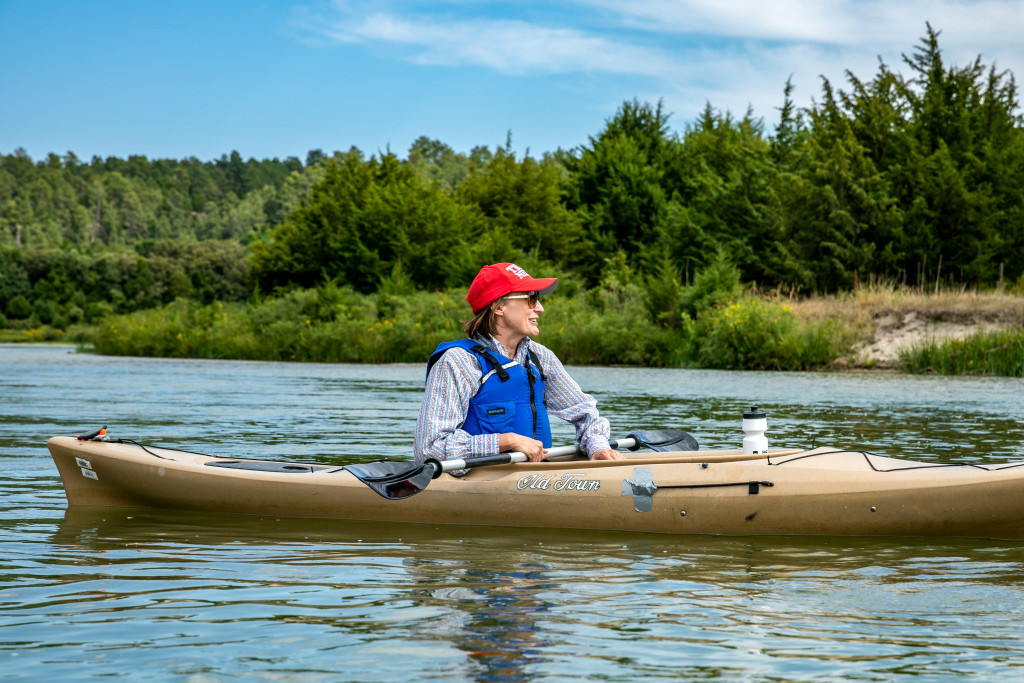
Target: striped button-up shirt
x,y
455,379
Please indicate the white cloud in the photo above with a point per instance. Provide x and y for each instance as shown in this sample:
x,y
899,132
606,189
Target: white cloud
x,y
627,37
853,23
506,45
734,54
750,47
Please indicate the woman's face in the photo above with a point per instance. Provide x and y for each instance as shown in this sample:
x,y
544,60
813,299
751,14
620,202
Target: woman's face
x,y
518,317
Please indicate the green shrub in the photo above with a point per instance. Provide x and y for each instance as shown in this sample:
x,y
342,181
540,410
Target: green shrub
x,y
45,310
608,326
19,307
328,324
665,293
753,334
74,314
97,310
716,284
44,333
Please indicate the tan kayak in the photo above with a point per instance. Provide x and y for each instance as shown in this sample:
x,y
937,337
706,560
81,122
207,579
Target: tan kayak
x,y
823,491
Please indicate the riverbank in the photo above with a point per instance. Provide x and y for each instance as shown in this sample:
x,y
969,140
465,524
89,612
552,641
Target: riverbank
x,y
874,328
894,321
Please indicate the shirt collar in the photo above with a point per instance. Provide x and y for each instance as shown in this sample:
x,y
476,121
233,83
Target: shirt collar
x,y
493,344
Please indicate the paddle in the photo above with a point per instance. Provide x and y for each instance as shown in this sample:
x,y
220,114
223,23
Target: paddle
x,y
399,479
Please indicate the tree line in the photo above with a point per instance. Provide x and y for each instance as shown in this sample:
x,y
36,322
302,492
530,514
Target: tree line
x,y
910,178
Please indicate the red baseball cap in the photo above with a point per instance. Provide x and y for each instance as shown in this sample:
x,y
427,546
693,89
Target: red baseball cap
x,y
498,279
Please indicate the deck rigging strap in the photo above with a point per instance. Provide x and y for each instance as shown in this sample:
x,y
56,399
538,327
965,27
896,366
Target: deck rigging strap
x,y
753,487
642,487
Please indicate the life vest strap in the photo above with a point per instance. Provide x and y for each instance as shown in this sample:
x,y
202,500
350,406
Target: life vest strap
x,y
499,369
536,361
496,365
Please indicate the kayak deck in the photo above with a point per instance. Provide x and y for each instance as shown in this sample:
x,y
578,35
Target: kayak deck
x,y
823,491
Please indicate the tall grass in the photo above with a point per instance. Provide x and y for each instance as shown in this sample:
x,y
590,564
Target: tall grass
x,y
861,306
987,353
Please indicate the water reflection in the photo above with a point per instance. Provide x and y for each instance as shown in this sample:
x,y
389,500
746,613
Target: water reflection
x,y
491,611
515,602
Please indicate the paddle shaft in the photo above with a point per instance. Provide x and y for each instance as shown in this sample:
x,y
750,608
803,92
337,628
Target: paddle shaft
x,y
515,456
395,480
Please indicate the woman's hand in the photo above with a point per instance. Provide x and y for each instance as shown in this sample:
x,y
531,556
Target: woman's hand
x,y
607,454
510,441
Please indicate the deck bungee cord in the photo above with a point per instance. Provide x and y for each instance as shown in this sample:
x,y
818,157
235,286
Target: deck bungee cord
x,y
918,466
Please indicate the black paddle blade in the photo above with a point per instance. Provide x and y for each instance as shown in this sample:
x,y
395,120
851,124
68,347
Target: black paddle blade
x,y
665,440
394,480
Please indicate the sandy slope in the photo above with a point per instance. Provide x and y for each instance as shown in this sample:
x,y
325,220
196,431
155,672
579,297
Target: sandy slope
x,y
888,321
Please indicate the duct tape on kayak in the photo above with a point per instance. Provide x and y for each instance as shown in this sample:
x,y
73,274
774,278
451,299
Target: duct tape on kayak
x,y
642,488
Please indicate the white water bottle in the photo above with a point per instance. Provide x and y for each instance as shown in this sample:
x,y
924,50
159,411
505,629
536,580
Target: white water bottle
x,y
755,424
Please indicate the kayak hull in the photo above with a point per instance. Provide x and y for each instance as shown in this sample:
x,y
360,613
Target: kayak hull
x,y
788,492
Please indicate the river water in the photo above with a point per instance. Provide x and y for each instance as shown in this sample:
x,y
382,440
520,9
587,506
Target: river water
x,y
159,595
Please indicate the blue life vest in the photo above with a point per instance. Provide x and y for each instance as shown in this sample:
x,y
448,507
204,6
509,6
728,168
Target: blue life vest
x,y
510,397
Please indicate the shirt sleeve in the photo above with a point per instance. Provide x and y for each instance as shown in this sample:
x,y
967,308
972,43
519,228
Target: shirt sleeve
x,y
452,382
566,400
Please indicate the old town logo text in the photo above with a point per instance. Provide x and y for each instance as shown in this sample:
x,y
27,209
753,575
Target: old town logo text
x,y
574,481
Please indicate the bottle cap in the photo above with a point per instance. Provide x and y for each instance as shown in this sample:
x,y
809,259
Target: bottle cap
x,y
754,414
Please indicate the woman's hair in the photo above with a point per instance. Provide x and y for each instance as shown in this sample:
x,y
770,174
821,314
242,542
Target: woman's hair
x,y
485,321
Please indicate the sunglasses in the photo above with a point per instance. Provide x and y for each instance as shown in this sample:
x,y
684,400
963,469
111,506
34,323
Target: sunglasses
x,y
533,298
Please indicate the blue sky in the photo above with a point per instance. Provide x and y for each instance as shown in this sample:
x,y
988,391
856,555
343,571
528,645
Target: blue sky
x,y
173,79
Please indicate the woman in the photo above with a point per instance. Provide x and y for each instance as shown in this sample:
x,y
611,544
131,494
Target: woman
x,y
491,392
